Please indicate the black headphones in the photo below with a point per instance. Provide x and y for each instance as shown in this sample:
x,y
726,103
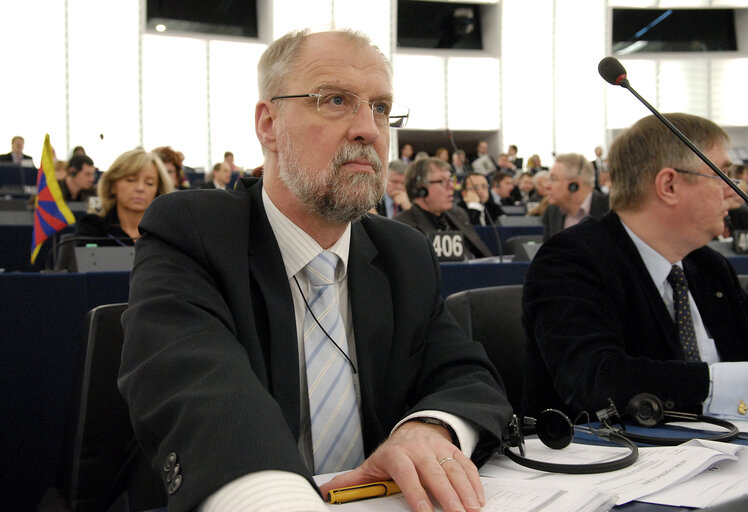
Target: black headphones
x,y
418,187
646,410
573,187
556,431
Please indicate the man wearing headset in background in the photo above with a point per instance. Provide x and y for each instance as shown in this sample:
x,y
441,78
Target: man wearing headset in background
x,y
634,302
78,184
572,195
430,189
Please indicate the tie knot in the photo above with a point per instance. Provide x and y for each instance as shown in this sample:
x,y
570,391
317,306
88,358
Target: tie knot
x,y
321,270
676,276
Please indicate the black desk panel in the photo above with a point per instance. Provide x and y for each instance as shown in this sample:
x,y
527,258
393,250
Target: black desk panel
x,y
41,337
488,235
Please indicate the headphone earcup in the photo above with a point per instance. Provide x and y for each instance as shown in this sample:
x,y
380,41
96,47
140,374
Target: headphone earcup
x,y
646,410
554,429
422,192
573,187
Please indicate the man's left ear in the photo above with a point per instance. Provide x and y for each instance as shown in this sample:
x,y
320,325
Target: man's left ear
x,y
265,117
666,185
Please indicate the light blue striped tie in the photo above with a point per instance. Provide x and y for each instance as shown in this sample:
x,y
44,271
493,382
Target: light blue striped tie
x,y
333,407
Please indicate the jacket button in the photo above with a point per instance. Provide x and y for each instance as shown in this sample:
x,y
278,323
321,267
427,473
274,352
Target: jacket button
x,y
174,485
171,459
173,473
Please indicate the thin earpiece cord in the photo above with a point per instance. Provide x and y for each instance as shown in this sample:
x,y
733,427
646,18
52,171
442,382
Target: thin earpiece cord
x,y
306,303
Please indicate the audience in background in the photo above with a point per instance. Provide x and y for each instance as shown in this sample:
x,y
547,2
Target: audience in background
x,y
524,188
406,153
505,165
420,156
502,184
737,213
539,198
79,180
395,198
173,163
442,154
477,201
77,150
512,152
430,189
484,163
16,155
220,177
228,159
126,190
460,166
572,195
534,165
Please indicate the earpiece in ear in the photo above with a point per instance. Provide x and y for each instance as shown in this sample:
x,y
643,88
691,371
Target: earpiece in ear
x,y
554,429
422,192
646,410
573,187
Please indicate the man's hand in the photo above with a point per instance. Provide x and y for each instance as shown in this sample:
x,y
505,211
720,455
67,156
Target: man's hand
x,y
421,457
401,199
471,196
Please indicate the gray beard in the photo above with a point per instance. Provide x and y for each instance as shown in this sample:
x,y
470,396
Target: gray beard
x,y
332,193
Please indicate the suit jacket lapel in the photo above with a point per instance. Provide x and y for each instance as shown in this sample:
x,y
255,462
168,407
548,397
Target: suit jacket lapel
x,y
274,312
370,296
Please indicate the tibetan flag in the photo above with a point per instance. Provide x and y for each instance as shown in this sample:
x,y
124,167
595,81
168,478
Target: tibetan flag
x,y
51,213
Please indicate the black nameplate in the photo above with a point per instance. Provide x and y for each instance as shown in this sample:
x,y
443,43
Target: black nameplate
x,y
448,245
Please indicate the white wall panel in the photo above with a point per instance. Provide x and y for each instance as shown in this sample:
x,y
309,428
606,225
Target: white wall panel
x,y
419,84
175,99
32,88
473,95
233,95
103,78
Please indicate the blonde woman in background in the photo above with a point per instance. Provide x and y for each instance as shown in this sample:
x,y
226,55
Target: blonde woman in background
x,y
126,190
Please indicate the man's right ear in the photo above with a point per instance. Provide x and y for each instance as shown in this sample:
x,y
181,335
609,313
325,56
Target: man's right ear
x,y
265,118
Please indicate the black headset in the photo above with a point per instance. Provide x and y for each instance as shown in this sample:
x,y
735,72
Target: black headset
x,y
646,410
573,187
418,187
556,431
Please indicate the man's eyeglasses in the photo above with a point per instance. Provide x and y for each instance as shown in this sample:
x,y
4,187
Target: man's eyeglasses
x,y
335,105
713,176
444,182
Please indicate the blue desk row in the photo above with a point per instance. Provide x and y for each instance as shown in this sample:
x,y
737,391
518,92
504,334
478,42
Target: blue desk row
x,y
15,241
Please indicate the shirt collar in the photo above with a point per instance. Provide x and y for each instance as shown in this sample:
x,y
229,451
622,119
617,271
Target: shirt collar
x,y
657,265
297,247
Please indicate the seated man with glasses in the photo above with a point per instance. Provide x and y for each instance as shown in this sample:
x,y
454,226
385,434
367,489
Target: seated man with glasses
x,y
571,195
431,190
476,199
304,336
635,302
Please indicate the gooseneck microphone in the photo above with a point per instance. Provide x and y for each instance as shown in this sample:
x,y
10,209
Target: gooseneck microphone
x,y
614,73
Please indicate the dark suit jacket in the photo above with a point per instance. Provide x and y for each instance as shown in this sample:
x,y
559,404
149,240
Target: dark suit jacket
x,y
8,157
597,327
419,219
553,217
210,366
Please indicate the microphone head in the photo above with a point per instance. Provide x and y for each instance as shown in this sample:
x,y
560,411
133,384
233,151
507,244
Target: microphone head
x,y
612,70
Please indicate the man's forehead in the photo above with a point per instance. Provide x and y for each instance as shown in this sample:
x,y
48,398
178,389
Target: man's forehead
x,y
331,59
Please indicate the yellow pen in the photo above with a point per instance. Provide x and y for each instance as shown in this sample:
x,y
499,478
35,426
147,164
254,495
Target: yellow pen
x,y
363,491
